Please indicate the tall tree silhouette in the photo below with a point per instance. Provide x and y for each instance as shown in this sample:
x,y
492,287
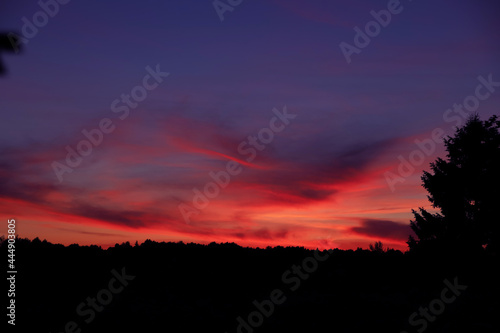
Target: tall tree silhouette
x,y
465,188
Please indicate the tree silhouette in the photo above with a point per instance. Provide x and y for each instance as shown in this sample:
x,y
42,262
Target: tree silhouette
x,y
8,42
377,247
465,188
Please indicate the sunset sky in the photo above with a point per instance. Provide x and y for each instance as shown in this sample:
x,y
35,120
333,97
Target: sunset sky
x,y
314,178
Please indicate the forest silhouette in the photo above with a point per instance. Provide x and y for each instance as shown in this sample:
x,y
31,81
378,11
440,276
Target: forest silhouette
x,y
446,282
179,287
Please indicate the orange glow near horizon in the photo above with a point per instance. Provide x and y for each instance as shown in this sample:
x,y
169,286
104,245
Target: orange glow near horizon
x,y
239,214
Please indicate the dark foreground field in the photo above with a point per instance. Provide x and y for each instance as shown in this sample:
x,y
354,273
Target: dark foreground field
x,y
167,287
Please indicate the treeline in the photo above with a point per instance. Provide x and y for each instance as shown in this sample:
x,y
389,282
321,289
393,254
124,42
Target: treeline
x,y
179,287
